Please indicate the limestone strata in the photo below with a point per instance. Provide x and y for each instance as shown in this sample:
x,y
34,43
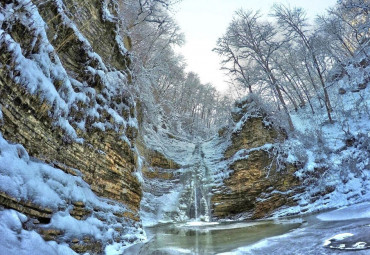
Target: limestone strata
x,y
93,25
85,41
160,176
79,211
157,165
86,244
26,207
255,187
158,168
253,190
104,159
256,134
157,159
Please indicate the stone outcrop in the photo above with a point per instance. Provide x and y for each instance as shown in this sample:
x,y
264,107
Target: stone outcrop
x,y
160,177
85,41
257,184
106,161
156,165
79,210
38,213
159,169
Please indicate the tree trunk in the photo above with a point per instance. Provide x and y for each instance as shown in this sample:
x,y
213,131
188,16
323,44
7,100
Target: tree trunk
x,y
281,98
326,95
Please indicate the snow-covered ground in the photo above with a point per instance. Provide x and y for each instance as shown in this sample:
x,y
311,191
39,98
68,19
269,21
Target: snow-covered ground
x,y
336,156
17,241
332,232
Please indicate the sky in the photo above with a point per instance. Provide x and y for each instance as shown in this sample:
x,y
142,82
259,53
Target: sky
x,y
204,21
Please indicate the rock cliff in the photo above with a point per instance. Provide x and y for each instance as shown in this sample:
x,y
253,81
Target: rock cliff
x,y
166,173
64,96
257,183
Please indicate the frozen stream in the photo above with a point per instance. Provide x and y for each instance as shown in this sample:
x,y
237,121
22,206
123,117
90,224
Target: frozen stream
x,y
347,231
207,238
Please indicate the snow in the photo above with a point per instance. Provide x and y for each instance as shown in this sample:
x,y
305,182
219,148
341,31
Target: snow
x,y
176,148
73,227
247,250
99,125
200,223
29,180
108,16
243,153
322,146
17,241
347,213
114,249
40,71
338,237
213,154
106,13
154,209
316,237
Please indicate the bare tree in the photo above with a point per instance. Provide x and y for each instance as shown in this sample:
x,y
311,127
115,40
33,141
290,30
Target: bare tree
x,y
257,42
294,22
233,63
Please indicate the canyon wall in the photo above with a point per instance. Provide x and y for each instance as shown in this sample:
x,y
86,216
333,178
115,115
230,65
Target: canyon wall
x,y
64,96
258,182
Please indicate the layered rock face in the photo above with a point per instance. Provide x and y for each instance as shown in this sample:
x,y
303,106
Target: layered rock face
x,y
106,162
257,184
64,97
162,180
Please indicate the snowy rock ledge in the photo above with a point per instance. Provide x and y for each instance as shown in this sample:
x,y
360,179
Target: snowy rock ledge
x,y
57,206
67,129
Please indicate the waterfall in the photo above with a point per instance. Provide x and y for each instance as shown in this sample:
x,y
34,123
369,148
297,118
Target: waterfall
x,y
199,182
195,201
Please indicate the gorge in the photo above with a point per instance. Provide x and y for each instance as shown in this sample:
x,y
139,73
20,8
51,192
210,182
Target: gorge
x,y
91,164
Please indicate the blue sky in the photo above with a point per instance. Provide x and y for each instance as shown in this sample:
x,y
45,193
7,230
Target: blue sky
x,y
204,21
